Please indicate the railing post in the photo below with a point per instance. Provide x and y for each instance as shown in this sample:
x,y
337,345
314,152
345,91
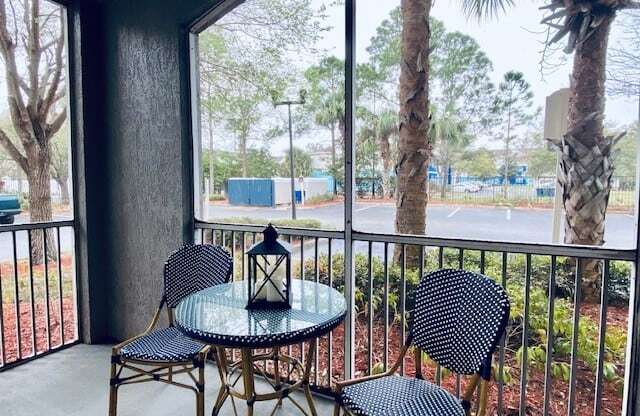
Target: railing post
x,y
631,401
349,170
631,398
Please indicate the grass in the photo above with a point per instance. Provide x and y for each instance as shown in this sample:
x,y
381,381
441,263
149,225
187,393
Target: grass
x,y
8,294
320,199
299,223
617,199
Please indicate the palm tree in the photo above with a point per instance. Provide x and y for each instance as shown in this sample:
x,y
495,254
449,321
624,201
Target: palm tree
x,y
586,165
414,145
386,127
450,136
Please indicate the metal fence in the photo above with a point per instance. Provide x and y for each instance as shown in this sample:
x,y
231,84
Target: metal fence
x,y
561,355
529,190
38,305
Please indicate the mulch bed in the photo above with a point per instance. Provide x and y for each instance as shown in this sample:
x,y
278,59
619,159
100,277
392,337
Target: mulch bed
x,y
9,345
558,400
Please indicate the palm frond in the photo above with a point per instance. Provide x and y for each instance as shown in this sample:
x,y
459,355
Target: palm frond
x,y
485,9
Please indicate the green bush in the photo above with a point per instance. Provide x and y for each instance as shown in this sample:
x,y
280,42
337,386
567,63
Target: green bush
x,y
615,340
319,199
217,197
299,223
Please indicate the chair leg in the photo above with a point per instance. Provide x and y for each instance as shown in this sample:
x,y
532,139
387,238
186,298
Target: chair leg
x,y
113,388
200,394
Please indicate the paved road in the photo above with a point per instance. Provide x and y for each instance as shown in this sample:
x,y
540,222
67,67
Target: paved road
x,y
486,223
22,240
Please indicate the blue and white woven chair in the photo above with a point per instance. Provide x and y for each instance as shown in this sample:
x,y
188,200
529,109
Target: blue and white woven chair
x,y
166,352
458,321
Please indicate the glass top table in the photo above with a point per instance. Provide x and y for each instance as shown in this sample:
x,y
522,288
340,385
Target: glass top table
x,y
218,316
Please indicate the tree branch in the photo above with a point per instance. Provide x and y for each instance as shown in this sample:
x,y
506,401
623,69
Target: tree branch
x,y
56,124
17,109
13,150
50,97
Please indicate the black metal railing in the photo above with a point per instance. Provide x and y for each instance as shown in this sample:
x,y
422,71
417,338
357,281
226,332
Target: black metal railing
x,y
561,354
524,190
38,304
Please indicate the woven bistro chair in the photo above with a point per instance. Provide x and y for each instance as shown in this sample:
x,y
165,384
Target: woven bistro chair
x,y
166,352
458,321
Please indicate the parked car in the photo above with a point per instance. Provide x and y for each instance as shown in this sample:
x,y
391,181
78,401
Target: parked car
x,y
468,187
9,208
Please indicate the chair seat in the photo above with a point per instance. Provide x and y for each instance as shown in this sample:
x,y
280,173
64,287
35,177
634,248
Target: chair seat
x,y
168,344
400,396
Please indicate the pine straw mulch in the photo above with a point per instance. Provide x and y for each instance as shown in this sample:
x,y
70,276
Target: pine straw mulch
x,y
558,398
9,345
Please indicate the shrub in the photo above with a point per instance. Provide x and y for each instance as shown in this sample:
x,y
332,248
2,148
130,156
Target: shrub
x,y
319,199
299,223
217,197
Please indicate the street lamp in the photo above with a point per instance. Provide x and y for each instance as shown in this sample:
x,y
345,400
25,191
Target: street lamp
x,y
289,103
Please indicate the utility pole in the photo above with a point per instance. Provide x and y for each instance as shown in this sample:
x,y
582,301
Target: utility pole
x,y
289,103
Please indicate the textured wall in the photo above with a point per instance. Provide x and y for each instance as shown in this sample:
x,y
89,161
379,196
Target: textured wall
x,y
138,143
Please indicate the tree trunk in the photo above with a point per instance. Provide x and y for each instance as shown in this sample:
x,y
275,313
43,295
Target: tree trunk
x,y
414,146
586,165
64,190
333,158
243,156
212,185
444,172
39,178
385,154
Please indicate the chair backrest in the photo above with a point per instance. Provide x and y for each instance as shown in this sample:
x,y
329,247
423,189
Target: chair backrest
x,y
195,267
459,318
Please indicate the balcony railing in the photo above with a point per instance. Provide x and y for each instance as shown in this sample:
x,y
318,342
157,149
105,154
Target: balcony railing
x,y
560,355
38,312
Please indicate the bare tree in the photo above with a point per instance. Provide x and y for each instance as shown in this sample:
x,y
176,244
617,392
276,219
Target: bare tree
x,y
60,165
32,49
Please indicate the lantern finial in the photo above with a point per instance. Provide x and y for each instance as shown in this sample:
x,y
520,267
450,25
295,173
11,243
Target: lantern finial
x,y
270,234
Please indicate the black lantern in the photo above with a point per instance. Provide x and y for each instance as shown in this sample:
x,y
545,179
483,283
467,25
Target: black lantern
x,y
269,284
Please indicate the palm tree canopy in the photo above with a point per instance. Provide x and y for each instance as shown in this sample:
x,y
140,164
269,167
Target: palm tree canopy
x,y
575,18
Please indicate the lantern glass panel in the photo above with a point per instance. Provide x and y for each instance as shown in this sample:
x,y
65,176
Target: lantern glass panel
x,y
269,272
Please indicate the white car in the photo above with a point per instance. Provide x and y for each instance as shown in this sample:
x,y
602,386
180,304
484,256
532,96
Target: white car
x,y
468,187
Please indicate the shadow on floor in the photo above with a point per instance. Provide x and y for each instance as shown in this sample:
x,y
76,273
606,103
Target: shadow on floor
x,y
74,382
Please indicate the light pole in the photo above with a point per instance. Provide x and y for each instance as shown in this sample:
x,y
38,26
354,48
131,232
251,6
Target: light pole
x,y
289,103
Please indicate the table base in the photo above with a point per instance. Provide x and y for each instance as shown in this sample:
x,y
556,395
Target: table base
x,y
246,367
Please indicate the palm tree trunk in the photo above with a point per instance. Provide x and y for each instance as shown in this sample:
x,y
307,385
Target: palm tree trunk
x,y
444,176
333,158
505,185
586,165
385,154
414,147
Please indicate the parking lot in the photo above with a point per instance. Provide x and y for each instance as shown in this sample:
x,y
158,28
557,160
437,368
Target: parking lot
x,y
529,225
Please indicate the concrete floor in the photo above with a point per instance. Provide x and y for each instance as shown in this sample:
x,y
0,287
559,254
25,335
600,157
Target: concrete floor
x,y
75,382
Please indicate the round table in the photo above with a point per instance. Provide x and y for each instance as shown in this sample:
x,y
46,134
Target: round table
x,y
218,316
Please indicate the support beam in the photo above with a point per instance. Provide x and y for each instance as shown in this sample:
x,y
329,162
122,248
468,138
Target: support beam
x,y
349,175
